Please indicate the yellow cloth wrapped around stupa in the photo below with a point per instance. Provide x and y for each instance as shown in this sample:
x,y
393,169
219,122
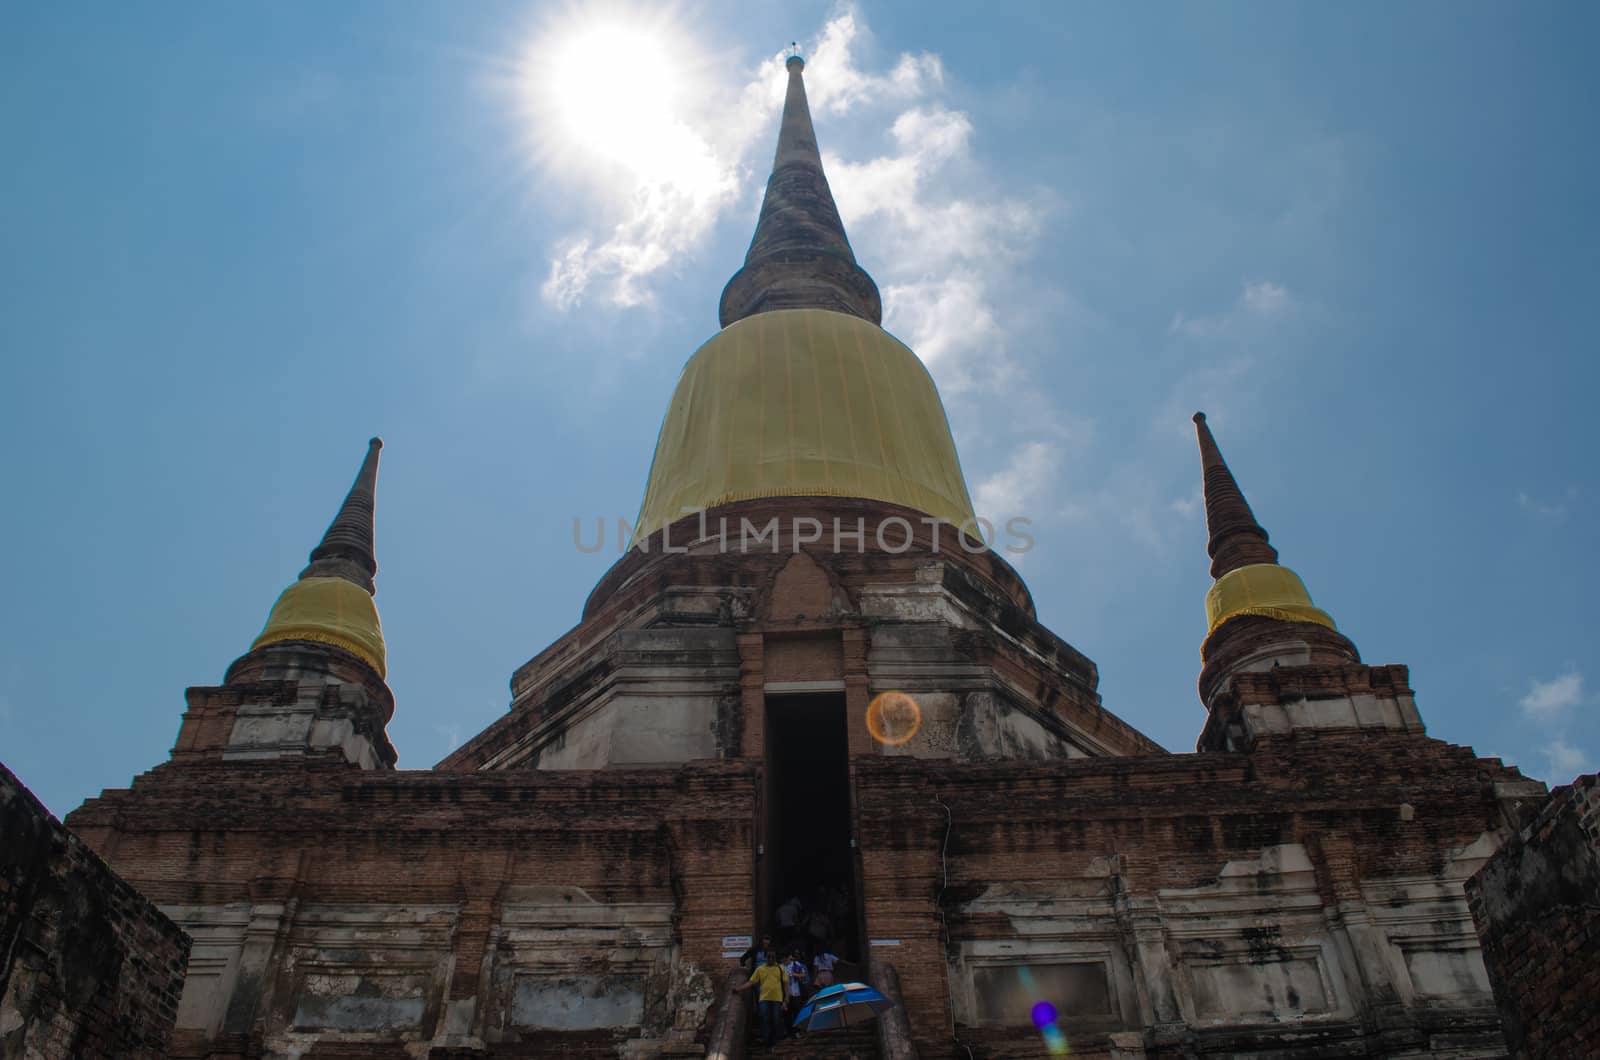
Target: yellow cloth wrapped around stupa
x,y
1265,589
328,611
804,402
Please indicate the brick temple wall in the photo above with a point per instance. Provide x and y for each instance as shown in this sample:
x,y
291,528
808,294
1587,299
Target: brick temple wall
x,y
92,969
1303,899
346,913
1537,907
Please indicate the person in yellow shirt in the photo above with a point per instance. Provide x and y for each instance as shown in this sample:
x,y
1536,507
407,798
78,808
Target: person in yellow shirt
x,y
773,982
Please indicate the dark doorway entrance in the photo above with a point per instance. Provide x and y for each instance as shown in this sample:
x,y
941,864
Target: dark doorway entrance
x,y
808,843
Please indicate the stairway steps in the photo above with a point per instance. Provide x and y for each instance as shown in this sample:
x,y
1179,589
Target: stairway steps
x,y
860,1042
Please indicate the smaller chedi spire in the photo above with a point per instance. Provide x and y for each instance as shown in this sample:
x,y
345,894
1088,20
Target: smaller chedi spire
x,y
332,603
346,550
800,257
1249,579
1236,538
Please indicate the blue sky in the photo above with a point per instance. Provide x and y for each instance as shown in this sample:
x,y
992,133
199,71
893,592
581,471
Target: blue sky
x,y
240,240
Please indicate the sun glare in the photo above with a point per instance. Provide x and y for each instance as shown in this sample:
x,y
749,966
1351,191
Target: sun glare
x,y
635,125
612,90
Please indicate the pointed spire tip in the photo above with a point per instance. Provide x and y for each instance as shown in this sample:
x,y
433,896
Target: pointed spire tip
x,y
800,257
1235,538
346,550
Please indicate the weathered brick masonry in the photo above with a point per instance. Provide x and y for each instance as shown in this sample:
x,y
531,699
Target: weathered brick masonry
x,y
1310,888
445,900
1537,907
92,970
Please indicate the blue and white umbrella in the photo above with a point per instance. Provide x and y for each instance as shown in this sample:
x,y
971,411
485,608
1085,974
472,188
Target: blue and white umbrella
x,y
845,1005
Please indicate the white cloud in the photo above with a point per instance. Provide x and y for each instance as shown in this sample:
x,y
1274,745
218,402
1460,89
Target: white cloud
x,y
835,83
665,216
1192,504
1265,299
1015,488
1566,761
895,186
1258,302
1547,705
668,209
1547,699
1546,509
655,161
927,203
951,324
1130,504
946,236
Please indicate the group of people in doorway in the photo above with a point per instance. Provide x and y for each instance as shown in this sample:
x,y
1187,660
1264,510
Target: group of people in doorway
x,y
786,973
812,925
785,979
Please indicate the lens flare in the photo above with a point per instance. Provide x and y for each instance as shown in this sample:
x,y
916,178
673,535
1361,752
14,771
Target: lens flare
x,y
1044,1016
893,718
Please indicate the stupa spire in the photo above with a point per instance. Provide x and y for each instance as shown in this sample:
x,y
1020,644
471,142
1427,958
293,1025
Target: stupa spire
x,y
1249,578
346,550
800,257
331,602
1236,540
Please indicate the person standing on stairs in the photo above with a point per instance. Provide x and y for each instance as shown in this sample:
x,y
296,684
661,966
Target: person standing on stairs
x,y
774,989
797,980
823,962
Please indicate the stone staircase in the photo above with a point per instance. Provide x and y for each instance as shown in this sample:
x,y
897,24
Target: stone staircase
x,y
860,1042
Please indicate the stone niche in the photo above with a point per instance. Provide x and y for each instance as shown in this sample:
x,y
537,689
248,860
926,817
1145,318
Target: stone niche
x,y
1005,994
1427,929
1257,979
218,934
333,997
565,962
360,972
577,1002
1254,946
1056,941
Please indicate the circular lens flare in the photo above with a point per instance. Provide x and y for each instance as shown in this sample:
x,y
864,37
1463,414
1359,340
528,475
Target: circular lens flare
x,y
893,718
1044,1016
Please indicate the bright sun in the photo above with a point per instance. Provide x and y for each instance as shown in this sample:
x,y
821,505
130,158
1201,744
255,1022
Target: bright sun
x,y
608,89
611,90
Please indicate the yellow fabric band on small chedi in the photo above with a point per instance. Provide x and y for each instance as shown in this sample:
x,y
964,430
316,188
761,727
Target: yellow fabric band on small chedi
x,y
798,403
1265,589
328,611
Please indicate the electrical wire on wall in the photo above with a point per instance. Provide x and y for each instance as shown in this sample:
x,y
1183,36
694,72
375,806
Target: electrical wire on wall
x,y
944,928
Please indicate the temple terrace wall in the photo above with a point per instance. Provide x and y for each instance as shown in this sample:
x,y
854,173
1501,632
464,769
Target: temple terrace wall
x,y
1537,908
92,969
